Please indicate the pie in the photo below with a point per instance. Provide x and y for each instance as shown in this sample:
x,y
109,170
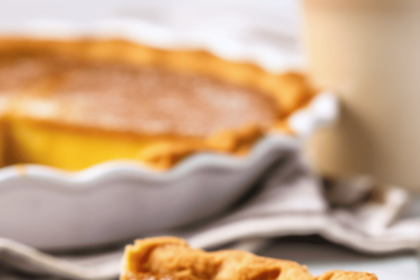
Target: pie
x,y
72,104
170,258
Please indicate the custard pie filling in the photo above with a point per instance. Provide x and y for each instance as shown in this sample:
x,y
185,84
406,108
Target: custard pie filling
x,y
78,103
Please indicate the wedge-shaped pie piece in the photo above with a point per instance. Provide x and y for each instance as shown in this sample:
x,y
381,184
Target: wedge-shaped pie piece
x,y
73,104
170,258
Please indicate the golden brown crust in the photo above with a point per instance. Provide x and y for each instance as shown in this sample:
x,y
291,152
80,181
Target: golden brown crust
x,y
346,275
171,258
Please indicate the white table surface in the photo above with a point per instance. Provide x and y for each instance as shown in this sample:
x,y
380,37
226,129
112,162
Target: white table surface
x,y
320,256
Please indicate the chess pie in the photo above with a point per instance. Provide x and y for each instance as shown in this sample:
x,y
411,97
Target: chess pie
x,y
170,258
73,104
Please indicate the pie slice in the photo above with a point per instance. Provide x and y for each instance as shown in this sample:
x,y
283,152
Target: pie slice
x,y
73,104
170,258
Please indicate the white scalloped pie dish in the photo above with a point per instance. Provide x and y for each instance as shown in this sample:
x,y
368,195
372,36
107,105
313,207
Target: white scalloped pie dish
x,y
51,209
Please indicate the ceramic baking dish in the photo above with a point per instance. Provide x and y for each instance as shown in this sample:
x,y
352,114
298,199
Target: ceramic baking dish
x,y
52,209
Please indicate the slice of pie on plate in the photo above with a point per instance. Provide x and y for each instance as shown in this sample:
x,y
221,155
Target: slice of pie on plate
x,y
170,258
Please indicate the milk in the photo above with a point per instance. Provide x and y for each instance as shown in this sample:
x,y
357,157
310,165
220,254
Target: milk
x,y
368,51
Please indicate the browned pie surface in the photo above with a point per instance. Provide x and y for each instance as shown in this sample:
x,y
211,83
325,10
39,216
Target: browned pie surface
x,y
16,73
171,258
22,69
154,101
140,99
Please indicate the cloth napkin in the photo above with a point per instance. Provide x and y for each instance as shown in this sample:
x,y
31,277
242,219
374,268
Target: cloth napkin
x,y
290,200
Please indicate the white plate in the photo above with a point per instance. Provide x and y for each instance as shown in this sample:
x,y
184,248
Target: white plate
x,y
51,209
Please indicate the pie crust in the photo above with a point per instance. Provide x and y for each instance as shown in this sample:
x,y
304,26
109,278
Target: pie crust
x,y
165,258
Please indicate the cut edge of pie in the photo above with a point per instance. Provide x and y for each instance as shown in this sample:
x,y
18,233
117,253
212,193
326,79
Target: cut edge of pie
x,y
32,115
170,258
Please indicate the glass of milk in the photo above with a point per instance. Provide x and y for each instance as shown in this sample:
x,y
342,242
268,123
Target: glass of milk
x,y
368,52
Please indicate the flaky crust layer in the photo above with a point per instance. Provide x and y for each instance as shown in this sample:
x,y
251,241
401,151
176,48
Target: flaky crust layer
x,y
170,258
